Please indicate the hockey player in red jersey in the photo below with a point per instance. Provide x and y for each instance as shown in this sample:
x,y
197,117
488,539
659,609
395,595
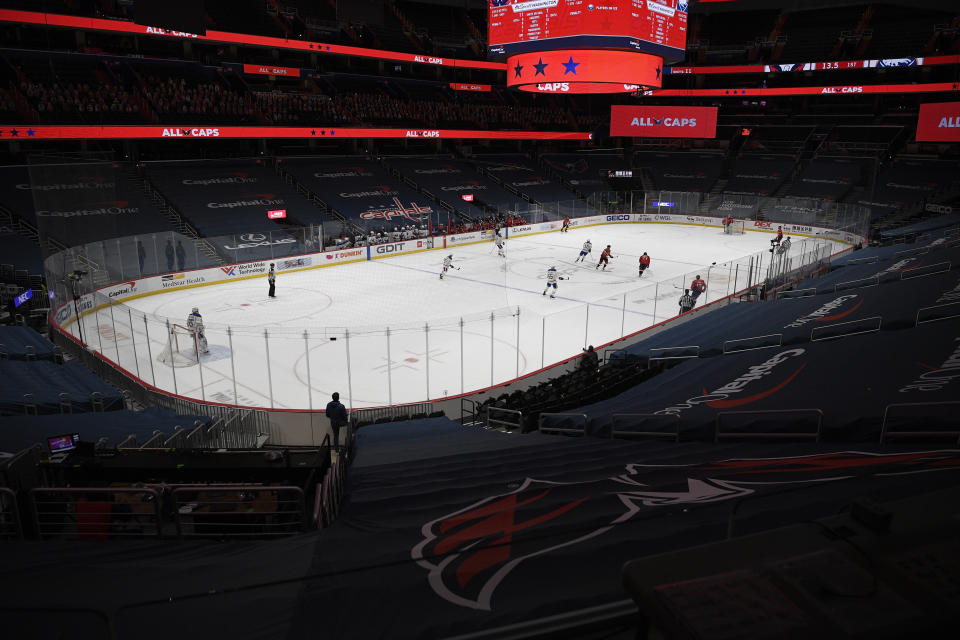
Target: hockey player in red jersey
x,y
566,225
644,263
604,257
697,287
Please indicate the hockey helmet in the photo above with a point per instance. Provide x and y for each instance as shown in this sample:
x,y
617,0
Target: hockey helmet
x,y
196,310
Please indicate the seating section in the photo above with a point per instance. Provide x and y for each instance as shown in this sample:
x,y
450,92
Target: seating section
x,y
446,180
781,390
517,173
228,202
44,387
19,432
930,224
759,174
696,172
23,343
363,191
19,252
830,179
79,203
583,173
908,181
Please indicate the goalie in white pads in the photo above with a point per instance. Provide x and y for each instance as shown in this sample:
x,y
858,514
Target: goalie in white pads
x,y
552,277
448,264
499,241
587,248
195,323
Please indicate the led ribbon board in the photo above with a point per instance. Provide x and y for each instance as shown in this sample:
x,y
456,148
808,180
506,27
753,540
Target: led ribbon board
x,y
130,132
583,71
932,87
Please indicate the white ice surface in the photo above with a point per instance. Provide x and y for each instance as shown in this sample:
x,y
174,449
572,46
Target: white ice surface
x,y
423,312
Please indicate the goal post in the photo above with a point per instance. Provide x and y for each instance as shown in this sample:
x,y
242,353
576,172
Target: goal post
x,y
734,227
182,348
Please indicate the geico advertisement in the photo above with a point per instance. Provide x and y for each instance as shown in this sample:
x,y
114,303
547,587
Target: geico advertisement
x,y
663,122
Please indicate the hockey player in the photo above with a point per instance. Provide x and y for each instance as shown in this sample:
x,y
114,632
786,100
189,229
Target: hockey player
x,y
604,258
272,279
698,286
776,241
686,301
566,225
448,264
195,323
552,277
785,246
644,263
499,241
587,248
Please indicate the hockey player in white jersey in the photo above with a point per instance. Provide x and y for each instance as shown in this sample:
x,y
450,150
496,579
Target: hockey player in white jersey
x,y
587,248
552,277
195,323
499,241
448,264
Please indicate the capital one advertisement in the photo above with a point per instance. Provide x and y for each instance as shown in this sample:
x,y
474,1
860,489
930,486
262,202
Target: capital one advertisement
x,y
663,122
939,122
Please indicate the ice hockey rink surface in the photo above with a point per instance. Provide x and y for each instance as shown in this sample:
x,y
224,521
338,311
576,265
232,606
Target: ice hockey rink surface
x,y
390,331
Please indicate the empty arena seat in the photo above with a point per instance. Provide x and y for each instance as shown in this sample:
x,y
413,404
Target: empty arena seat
x,y
827,178
760,175
447,179
847,384
696,172
585,173
23,343
362,190
19,432
44,387
19,251
517,172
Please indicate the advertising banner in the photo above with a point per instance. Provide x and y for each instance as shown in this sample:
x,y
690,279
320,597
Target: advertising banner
x,y
939,122
663,122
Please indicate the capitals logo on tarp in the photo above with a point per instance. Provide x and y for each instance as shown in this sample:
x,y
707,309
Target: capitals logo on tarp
x,y
469,552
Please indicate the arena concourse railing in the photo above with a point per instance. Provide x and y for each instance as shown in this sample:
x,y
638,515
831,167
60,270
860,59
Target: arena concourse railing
x,y
484,349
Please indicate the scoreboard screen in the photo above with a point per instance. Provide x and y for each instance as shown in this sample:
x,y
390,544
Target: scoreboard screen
x,y
658,27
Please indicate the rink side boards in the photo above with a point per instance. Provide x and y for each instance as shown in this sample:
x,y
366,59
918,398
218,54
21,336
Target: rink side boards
x,y
131,289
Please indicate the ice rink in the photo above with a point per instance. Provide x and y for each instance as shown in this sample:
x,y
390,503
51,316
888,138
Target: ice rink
x,y
390,331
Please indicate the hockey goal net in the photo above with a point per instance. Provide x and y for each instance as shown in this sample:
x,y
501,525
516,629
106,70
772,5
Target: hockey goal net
x,y
733,226
182,348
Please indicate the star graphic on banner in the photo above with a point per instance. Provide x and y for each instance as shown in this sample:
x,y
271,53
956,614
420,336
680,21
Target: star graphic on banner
x,y
14,133
31,132
540,66
517,69
333,133
570,66
328,47
658,72
313,132
323,133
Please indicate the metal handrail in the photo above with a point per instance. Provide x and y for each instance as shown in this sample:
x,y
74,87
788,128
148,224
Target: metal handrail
x,y
562,430
779,343
10,513
261,528
879,320
505,423
874,279
651,357
927,270
886,415
867,260
782,294
614,432
771,435
42,526
956,305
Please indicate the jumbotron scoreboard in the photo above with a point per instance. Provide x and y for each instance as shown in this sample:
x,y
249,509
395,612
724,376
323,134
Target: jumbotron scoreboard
x,y
578,46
